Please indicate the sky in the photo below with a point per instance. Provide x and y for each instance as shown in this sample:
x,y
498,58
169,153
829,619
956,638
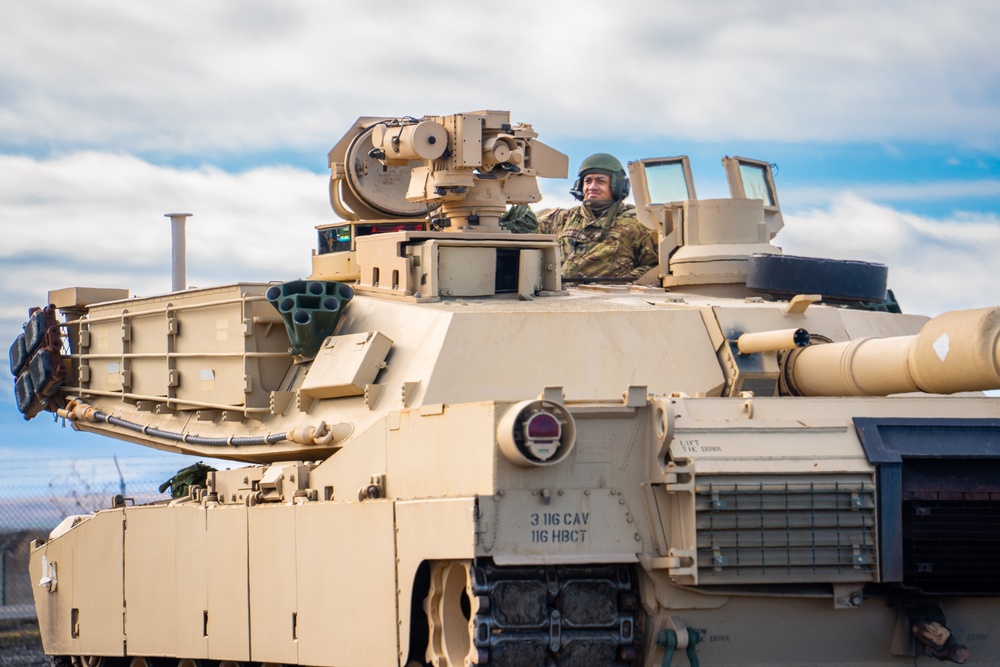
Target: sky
x,y
883,120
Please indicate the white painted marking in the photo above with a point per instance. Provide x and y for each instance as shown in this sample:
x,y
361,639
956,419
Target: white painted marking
x,y
941,346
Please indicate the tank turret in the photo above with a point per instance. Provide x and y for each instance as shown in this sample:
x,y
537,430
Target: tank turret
x,y
458,458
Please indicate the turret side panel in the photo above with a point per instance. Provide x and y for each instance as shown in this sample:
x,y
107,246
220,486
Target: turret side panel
x,y
590,354
861,323
417,335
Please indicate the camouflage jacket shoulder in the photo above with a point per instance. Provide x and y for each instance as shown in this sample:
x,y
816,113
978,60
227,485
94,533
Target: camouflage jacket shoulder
x,y
592,247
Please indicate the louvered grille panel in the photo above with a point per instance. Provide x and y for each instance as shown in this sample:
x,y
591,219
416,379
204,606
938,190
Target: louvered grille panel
x,y
951,542
757,531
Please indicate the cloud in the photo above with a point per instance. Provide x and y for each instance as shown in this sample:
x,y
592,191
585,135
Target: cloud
x,y
941,190
935,265
104,213
96,220
196,78
805,71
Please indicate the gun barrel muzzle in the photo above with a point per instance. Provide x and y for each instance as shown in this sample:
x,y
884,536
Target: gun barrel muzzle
x,y
954,352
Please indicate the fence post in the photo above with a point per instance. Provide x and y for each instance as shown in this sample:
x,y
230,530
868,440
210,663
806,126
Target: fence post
x,y
3,576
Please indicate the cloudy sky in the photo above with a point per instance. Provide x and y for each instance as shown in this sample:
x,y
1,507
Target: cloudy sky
x,y
883,119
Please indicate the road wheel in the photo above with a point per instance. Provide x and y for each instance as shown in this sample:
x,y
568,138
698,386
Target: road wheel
x,y
451,607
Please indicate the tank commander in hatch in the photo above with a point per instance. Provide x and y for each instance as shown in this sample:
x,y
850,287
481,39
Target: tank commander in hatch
x,y
601,238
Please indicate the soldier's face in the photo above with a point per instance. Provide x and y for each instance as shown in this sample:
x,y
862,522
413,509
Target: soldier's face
x,y
597,186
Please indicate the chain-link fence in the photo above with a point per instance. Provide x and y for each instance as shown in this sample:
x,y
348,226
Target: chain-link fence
x,y
36,494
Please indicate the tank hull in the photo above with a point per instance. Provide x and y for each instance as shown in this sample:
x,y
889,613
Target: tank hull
x,y
639,540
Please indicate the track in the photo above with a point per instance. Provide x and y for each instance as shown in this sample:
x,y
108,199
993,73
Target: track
x,y
554,616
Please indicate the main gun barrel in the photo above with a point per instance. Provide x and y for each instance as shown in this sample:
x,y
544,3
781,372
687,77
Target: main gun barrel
x,y
954,352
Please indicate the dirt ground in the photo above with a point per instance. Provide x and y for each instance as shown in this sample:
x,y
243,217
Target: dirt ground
x,y
20,645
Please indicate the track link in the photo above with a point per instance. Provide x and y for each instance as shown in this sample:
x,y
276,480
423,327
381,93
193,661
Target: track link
x,y
551,616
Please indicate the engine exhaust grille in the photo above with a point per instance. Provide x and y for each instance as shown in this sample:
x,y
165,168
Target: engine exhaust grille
x,y
774,531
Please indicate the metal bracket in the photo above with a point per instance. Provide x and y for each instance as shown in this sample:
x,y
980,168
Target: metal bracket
x,y
848,596
409,389
374,490
800,302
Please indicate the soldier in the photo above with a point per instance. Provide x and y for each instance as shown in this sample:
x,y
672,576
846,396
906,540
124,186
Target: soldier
x,y
601,238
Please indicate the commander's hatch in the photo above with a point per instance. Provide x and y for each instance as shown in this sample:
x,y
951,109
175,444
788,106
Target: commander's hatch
x,y
706,242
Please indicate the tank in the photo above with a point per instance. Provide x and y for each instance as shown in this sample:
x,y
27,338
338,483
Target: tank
x,y
445,454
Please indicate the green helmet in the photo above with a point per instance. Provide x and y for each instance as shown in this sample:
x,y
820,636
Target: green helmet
x,y
603,163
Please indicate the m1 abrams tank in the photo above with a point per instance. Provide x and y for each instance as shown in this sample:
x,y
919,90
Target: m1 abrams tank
x,y
458,459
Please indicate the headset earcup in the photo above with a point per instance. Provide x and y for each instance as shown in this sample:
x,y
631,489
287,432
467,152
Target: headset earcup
x,y
620,186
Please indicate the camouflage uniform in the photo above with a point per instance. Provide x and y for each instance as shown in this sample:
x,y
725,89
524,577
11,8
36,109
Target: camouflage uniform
x,y
616,245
